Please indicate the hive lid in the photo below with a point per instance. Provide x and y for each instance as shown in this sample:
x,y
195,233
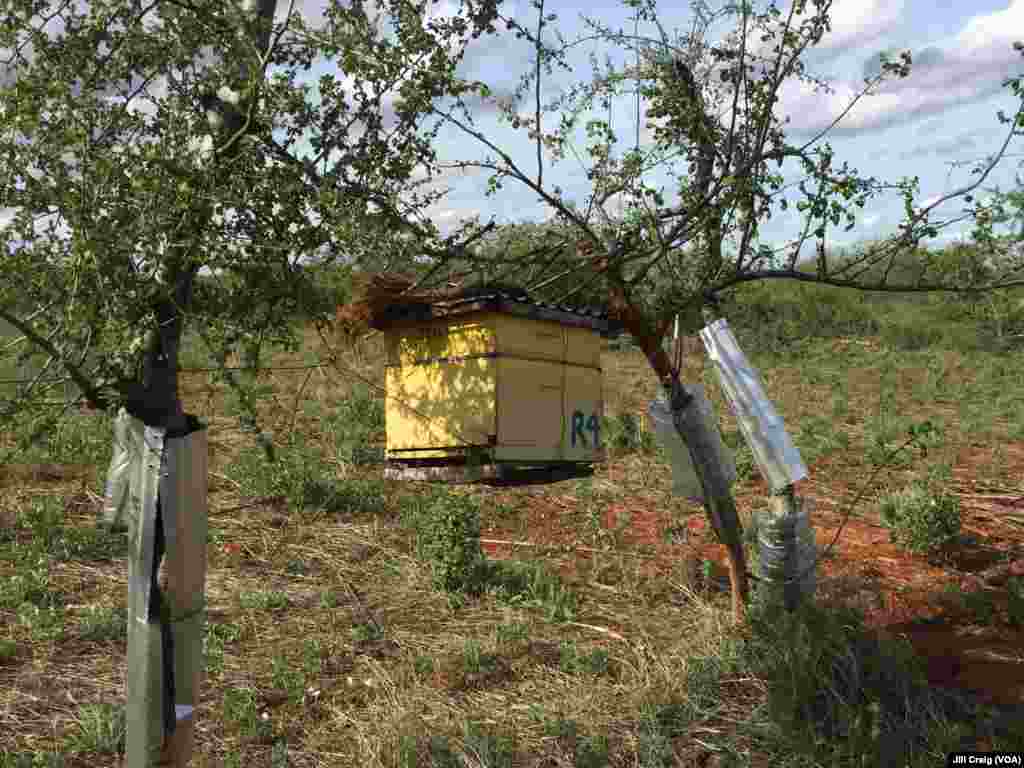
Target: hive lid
x,y
505,300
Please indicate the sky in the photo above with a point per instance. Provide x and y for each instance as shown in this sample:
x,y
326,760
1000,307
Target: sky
x,y
943,114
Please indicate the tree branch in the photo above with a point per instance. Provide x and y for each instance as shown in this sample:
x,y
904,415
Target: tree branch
x,y
806,277
95,397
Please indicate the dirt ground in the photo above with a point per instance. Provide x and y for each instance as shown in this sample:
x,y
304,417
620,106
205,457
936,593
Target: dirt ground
x,y
967,636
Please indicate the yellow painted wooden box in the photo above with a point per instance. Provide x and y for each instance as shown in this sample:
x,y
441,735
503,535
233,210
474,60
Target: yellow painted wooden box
x,y
507,381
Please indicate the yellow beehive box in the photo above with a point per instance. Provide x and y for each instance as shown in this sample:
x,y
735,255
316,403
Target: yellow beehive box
x,y
503,379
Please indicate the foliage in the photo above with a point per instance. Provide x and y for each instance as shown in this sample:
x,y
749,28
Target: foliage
x,y
778,315
715,133
623,434
196,121
1015,595
356,424
660,723
446,527
101,728
573,662
559,278
582,751
299,478
836,690
667,250
921,518
31,760
104,624
531,583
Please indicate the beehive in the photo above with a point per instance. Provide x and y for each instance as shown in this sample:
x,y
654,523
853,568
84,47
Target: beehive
x,y
495,377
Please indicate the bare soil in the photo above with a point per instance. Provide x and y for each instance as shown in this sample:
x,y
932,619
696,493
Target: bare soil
x,y
980,651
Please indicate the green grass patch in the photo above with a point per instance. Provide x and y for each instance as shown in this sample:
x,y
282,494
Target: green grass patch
x,y
532,584
302,474
31,585
103,624
101,729
263,600
40,530
922,518
622,434
10,759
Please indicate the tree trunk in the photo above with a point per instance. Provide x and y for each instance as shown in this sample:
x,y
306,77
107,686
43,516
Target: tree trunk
x,y
718,501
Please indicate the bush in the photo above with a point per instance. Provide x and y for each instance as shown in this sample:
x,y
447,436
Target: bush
x,y
447,531
837,691
769,315
303,475
921,517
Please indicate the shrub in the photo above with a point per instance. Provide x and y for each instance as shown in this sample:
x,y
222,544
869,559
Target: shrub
x,y
355,426
447,531
101,728
835,689
921,517
303,475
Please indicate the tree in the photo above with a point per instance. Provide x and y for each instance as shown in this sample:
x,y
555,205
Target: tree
x,y
716,134
148,144
155,160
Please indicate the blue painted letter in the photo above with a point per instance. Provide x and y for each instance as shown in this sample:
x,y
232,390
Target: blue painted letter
x,y
577,427
595,429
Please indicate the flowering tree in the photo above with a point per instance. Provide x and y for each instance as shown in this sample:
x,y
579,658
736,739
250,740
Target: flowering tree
x,y
146,144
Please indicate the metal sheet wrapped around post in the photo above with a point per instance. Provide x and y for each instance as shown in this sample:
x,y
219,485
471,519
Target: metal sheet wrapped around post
x,y
183,505
170,472
787,551
128,437
684,477
772,448
143,722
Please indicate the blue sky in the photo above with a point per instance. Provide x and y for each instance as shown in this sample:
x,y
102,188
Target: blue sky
x,y
945,112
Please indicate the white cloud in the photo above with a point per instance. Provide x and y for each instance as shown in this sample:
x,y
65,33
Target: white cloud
x,y
448,219
855,22
993,30
970,68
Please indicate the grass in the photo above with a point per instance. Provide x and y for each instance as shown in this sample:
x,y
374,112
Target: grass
x,y
340,632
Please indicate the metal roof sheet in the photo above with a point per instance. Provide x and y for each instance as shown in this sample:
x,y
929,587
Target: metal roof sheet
x,y
499,301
